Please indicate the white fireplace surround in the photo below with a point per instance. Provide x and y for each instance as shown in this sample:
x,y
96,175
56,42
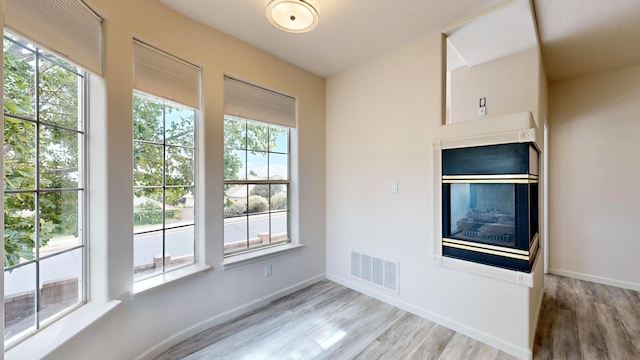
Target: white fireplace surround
x,y
513,128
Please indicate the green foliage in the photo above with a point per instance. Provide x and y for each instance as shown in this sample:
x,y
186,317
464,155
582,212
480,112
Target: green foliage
x,y
257,204
263,190
235,209
279,201
58,166
243,136
150,212
162,132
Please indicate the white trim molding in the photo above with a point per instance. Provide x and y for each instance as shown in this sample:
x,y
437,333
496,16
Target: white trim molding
x,y
205,324
595,279
517,351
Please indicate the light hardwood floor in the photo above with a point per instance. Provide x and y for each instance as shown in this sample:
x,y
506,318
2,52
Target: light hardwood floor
x,y
579,320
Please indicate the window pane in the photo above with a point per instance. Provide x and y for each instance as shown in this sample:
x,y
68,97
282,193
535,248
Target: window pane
x,y
278,197
235,133
179,164
235,200
235,233
59,222
279,139
147,119
147,210
234,165
19,154
278,166
58,95
58,158
180,125
260,190
259,230
257,136
19,80
257,204
180,246
19,227
60,283
19,301
147,254
279,226
147,164
179,206
257,165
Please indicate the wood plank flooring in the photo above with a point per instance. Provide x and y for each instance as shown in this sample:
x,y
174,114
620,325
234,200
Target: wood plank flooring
x,y
579,320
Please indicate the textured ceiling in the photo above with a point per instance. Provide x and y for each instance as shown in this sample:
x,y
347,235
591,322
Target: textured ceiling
x,y
605,33
581,37
349,32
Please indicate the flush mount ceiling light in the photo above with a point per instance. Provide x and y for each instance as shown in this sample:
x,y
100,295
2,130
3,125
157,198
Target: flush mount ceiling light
x,y
296,16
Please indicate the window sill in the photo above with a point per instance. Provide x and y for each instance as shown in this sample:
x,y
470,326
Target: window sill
x,y
50,338
254,256
155,282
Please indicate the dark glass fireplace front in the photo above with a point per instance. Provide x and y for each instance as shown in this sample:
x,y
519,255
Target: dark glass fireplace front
x,y
490,205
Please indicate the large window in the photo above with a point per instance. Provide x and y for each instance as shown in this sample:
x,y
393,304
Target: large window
x,y
164,185
256,185
44,187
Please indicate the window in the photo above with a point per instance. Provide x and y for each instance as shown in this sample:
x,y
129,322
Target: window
x,y
164,186
256,185
44,187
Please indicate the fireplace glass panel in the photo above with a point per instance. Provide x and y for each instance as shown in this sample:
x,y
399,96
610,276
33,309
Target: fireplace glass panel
x,y
483,213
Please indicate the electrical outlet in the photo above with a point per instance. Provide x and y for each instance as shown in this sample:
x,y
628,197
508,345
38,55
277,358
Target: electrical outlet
x,y
267,270
482,110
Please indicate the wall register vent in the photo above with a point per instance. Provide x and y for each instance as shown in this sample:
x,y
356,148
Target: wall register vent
x,y
378,271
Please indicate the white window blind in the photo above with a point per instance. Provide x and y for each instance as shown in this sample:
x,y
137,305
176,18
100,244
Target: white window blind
x,y
67,27
255,103
158,73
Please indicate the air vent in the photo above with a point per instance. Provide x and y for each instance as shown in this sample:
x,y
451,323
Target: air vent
x,y
375,270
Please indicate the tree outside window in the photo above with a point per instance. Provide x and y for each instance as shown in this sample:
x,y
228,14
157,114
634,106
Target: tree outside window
x,y
44,179
256,185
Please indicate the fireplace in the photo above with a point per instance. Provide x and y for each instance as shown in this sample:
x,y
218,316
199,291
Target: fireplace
x,y
490,205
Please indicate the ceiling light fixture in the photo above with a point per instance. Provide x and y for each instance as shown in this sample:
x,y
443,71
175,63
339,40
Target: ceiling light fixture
x,y
295,16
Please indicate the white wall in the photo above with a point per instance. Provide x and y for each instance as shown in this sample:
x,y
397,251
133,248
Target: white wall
x,y
150,318
505,83
594,170
382,117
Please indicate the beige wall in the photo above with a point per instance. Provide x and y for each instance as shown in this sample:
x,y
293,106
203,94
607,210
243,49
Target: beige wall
x,y
505,83
382,117
594,170
155,316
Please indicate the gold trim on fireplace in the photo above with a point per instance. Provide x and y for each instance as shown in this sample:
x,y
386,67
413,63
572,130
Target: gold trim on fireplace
x,y
486,251
486,246
491,179
492,249
507,181
502,176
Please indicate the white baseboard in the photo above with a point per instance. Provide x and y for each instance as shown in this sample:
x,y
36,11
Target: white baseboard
x,y
596,279
519,352
226,316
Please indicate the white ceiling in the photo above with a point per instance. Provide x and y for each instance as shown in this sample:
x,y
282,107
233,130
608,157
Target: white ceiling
x,y
606,32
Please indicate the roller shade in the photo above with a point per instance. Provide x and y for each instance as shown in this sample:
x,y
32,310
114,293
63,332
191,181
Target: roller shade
x,y
158,73
253,102
66,27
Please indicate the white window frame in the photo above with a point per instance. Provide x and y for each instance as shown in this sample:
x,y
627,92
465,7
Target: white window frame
x,y
165,268
83,100
249,248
